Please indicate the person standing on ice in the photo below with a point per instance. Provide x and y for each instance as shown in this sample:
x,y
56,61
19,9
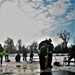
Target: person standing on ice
x,y
31,55
6,53
1,54
71,54
42,52
24,55
50,52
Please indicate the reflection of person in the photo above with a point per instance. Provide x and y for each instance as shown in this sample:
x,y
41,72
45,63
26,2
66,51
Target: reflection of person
x,y
45,73
42,51
18,57
71,54
1,53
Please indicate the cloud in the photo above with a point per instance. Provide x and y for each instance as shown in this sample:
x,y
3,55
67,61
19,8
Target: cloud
x,y
50,13
3,1
56,40
41,17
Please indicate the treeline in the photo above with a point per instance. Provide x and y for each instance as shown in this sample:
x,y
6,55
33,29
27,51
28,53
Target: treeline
x,y
19,47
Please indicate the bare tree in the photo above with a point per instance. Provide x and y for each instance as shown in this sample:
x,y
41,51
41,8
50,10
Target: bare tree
x,y
34,46
9,44
65,36
19,44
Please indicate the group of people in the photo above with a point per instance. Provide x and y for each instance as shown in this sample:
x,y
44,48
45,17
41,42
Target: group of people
x,y
46,48
18,56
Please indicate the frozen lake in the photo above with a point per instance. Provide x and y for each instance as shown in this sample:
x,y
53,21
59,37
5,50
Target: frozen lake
x,y
56,57
10,68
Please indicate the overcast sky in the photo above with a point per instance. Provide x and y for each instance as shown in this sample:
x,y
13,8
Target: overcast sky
x,y
35,20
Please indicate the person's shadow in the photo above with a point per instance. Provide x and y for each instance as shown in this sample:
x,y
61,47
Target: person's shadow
x,y
46,73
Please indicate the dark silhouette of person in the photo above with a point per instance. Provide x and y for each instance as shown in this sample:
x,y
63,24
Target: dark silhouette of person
x,y
42,51
31,55
18,57
7,55
1,53
50,52
71,54
24,55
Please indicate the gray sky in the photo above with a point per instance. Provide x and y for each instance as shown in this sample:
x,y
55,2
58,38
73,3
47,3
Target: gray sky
x,y
34,20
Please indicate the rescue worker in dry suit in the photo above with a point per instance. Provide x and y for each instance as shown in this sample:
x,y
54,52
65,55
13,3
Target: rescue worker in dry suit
x,y
45,48
31,55
50,52
71,54
5,52
42,51
1,53
24,55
